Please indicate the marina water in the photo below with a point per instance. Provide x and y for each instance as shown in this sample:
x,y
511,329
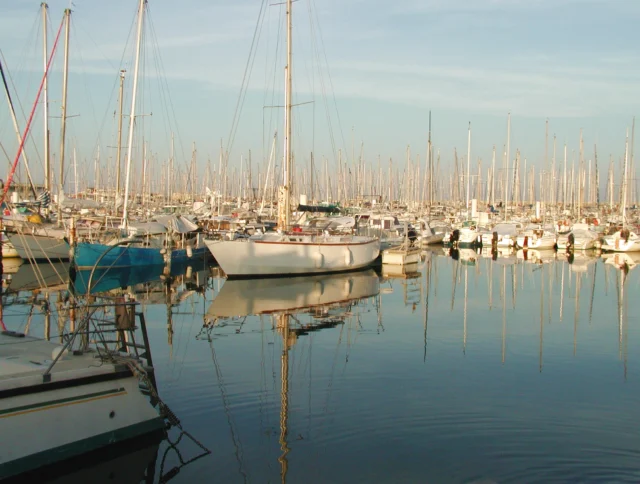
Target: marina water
x,y
464,369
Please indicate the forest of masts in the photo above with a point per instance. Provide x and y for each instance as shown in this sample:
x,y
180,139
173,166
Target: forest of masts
x,y
566,180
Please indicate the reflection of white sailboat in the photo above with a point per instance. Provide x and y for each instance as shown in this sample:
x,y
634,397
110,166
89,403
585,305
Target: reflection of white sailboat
x,y
622,260
501,255
29,277
264,296
580,261
535,256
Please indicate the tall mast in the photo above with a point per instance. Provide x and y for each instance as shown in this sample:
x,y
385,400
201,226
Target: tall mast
x,y
506,198
132,115
493,176
119,152
45,49
16,128
546,158
63,121
283,203
430,169
468,168
624,181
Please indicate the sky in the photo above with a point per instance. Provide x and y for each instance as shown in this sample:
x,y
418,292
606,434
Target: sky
x,y
366,75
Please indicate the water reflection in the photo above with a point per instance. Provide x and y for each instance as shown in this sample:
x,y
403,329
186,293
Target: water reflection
x,y
520,361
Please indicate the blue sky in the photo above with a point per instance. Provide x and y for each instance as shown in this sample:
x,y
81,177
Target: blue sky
x,y
575,62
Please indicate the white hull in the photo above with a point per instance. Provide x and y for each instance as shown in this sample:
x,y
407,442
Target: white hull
x,y
579,243
8,250
469,237
85,406
431,239
89,405
275,255
537,243
401,256
39,247
503,242
616,243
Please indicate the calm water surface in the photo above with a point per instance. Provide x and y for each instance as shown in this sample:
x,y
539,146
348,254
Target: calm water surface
x,y
466,369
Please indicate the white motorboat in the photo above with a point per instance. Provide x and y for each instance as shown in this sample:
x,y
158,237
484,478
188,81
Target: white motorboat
x,y
581,237
427,235
536,237
506,234
404,254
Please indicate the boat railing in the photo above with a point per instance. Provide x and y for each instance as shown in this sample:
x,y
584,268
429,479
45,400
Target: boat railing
x,y
109,328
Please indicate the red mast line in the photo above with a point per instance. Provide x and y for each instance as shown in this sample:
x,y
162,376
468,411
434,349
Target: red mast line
x,y
33,111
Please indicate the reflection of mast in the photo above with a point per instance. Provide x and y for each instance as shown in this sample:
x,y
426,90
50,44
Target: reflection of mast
x,y
167,289
283,324
426,307
593,290
621,326
541,319
491,285
562,294
464,331
577,315
453,283
625,339
504,311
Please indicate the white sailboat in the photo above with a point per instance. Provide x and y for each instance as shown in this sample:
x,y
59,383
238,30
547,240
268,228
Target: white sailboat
x,y
623,240
282,253
60,401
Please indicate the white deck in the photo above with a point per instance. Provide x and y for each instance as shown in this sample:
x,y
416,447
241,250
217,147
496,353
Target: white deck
x,y
24,360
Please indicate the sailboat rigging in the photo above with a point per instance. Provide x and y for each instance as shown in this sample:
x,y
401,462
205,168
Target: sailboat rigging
x,y
282,252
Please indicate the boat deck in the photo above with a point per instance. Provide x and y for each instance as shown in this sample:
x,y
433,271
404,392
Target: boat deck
x,y
24,360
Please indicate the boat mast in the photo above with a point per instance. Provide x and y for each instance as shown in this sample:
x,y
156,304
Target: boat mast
x,y
45,49
624,181
430,169
506,198
133,113
63,122
119,152
468,170
17,129
283,211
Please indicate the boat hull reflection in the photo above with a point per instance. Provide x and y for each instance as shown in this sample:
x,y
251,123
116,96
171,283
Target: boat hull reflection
x,y
263,296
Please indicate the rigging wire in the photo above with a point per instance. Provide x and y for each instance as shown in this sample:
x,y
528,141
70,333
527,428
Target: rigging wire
x,y
244,87
33,110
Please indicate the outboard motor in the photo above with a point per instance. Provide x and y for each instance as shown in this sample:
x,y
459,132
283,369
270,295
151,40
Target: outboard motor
x,y
412,236
571,242
625,234
455,237
494,241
